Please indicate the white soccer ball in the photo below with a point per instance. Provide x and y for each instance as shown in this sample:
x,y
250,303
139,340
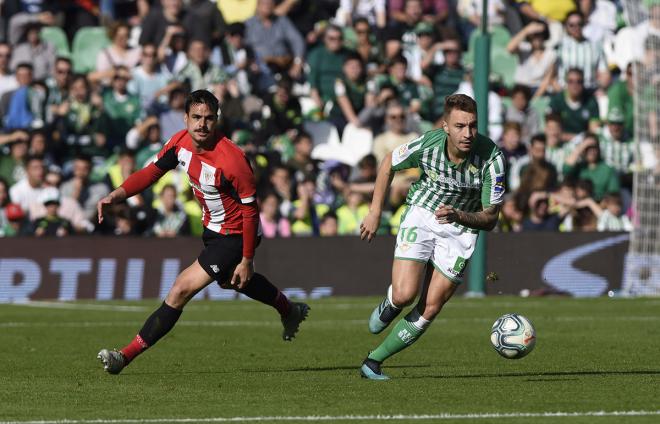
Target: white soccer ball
x,y
513,336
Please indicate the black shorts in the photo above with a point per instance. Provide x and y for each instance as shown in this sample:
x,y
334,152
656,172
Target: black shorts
x,y
221,254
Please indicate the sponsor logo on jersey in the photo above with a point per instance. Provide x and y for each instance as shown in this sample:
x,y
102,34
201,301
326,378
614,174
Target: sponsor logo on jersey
x,y
208,177
215,268
450,181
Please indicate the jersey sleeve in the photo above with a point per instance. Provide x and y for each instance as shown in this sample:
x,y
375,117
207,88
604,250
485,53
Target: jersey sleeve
x,y
494,175
167,157
241,177
407,155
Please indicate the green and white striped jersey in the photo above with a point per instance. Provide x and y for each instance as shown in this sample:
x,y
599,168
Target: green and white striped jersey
x,y
474,184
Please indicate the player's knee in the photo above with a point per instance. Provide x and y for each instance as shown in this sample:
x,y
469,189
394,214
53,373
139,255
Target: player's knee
x,y
402,296
182,290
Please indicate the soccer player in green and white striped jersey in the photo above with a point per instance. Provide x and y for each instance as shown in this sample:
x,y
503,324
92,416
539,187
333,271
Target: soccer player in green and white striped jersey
x,y
459,193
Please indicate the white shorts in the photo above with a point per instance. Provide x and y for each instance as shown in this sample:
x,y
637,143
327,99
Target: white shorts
x,y
421,238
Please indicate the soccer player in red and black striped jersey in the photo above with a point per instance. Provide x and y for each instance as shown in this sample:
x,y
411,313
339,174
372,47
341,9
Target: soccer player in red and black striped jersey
x,y
224,185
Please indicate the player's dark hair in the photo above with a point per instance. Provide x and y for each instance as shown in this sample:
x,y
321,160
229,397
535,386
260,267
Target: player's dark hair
x,y
460,102
202,97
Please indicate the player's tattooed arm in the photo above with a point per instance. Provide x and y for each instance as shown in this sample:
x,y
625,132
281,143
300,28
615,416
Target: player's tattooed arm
x,y
482,220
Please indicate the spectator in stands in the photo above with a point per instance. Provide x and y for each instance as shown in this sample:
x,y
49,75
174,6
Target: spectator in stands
x,y
28,189
275,40
80,188
12,165
410,12
405,15
512,146
576,107
616,148
199,73
283,186
41,145
585,163
366,47
301,163
171,220
4,201
281,112
537,174
172,50
148,81
555,150
620,97
365,178
445,78
600,18
396,133
307,212
350,215
521,112
238,59
171,119
611,217
539,217
575,51
203,21
350,91
77,119
471,10
159,19
23,107
511,217
536,65
424,53
52,224
121,110
371,10
406,91
273,224
35,51
7,78
58,87
118,53
325,66
329,225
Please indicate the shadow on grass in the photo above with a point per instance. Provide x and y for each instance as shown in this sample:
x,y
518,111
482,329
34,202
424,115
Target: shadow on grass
x,y
541,374
353,367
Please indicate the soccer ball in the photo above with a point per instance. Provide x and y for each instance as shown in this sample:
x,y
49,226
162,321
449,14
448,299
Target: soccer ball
x,y
513,336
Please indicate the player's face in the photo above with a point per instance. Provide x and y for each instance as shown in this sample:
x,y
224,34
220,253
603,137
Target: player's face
x,y
461,129
200,122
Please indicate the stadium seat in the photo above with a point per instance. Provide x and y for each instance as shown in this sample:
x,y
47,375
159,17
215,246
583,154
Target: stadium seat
x,y
87,43
504,64
322,132
56,36
540,105
357,141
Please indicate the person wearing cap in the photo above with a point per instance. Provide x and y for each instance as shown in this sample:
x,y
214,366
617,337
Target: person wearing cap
x,y
620,96
616,148
51,224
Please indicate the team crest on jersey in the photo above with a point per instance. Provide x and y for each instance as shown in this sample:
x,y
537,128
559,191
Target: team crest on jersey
x,y
433,176
208,177
473,169
403,150
404,246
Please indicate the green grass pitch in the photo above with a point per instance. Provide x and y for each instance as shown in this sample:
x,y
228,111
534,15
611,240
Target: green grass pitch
x,y
227,360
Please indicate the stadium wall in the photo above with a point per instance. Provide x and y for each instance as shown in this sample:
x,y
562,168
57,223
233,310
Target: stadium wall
x,y
580,264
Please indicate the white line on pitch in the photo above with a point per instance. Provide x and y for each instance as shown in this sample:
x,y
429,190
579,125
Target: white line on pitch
x,y
81,306
475,416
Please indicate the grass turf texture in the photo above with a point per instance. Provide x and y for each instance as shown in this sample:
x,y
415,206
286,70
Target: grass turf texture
x,y
226,359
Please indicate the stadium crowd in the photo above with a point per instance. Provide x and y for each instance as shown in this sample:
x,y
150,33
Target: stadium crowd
x,y
316,92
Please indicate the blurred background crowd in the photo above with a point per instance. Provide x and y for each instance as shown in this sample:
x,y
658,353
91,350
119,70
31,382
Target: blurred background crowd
x,y
316,92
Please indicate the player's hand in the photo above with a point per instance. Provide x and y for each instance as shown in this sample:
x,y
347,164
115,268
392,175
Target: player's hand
x,y
446,214
101,205
243,273
369,226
